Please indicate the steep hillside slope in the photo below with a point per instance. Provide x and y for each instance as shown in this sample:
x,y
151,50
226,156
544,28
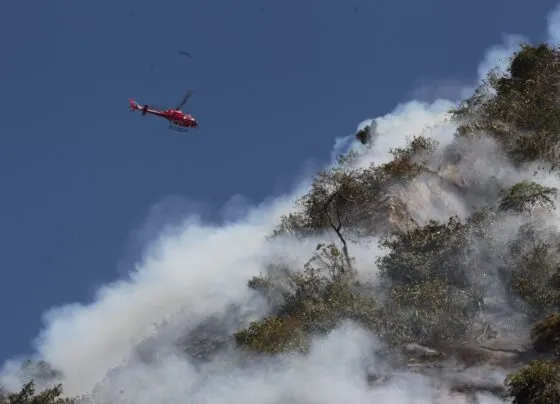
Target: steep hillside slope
x,y
432,275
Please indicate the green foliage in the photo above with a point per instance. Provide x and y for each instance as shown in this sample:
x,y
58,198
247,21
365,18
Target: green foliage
x,y
527,63
533,268
427,269
410,162
296,224
431,312
272,335
433,277
334,194
27,395
347,196
428,253
319,297
347,160
430,298
324,294
519,109
546,334
534,278
537,383
525,196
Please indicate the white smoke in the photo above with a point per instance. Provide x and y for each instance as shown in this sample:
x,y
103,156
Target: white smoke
x,y
497,57
195,270
553,26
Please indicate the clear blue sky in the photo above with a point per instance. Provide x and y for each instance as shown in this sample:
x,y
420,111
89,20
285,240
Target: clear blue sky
x,y
79,172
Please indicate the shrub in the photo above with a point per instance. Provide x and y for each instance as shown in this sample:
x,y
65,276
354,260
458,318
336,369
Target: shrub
x,y
537,383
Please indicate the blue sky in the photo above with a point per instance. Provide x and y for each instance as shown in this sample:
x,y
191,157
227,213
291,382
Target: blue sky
x,y
274,88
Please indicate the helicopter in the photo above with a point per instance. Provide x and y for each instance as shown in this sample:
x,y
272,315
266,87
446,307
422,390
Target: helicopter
x,y
178,120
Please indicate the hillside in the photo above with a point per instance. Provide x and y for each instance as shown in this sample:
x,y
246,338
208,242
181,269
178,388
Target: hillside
x,y
438,270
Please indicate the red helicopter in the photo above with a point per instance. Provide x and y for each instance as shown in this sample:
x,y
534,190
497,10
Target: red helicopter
x,y
178,120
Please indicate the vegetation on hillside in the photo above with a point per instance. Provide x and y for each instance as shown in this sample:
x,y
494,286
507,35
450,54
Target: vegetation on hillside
x,y
432,277
28,395
435,280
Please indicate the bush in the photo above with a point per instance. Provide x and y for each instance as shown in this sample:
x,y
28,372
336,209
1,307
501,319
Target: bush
x,y
318,299
432,313
533,278
537,383
348,196
27,395
429,253
525,196
272,335
546,334
519,109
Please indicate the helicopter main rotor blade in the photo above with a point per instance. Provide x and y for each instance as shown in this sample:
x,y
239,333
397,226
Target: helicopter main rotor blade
x,y
187,96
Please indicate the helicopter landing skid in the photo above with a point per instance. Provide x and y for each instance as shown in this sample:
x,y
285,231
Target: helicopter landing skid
x,y
178,128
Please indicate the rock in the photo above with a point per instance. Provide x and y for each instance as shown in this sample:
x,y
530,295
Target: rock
x,y
421,352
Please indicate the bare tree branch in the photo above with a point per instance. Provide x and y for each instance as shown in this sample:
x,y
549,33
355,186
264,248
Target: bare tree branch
x,y
337,227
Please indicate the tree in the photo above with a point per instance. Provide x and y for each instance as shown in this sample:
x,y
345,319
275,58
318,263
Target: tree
x,y
434,251
534,275
431,312
333,202
318,299
546,335
426,272
519,108
273,335
27,395
409,162
434,276
537,383
525,196
345,198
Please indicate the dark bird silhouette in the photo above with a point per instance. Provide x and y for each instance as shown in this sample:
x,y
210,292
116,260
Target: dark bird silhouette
x,y
184,53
